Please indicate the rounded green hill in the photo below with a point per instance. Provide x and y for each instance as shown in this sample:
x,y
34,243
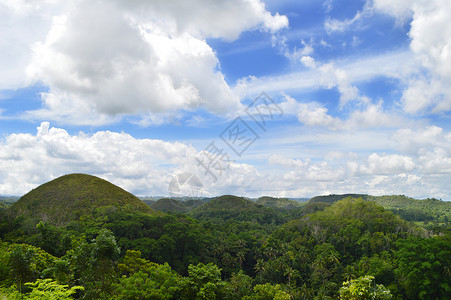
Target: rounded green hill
x,y
70,196
168,205
232,207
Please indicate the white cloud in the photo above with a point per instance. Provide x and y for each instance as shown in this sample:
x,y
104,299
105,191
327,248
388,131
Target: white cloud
x,y
141,166
388,164
295,55
427,83
334,25
420,140
328,5
22,23
368,116
146,166
342,75
137,165
431,146
430,33
400,9
104,59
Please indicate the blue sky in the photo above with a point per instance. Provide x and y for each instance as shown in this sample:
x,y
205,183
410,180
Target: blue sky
x,y
356,95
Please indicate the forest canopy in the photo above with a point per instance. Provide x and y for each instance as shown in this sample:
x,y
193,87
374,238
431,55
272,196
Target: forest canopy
x,y
228,248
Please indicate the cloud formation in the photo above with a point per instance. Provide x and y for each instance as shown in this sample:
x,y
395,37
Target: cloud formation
x,y
427,86
147,166
104,59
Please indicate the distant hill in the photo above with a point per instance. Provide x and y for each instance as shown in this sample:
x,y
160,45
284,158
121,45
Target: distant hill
x,y
169,205
237,208
334,198
427,210
6,202
278,202
9,199
148,202
68,197
416,210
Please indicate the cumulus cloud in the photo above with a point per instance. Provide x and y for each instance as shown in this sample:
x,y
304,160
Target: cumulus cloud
x,y
147,166
388,164
141,166
29,160
104,59
315,114
417,140
431,146
426,86
430,33
22,23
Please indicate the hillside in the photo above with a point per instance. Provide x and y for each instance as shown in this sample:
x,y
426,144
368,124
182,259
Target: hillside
x,y
334,198
416,210
168,205
232,207
427,210
278,202
68,197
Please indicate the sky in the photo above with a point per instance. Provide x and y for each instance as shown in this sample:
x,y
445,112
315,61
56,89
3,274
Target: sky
x,y
245,97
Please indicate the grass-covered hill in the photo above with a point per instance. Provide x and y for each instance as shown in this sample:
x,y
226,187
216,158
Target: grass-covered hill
x,y
232,207
70,196
278,202
334,198
169,205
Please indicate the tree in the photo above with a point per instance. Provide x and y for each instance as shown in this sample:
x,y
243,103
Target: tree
x,y
267,291
364,288
105,252
147,280
20,264
238,286
260,268
94,265
203,281
423,267
49,289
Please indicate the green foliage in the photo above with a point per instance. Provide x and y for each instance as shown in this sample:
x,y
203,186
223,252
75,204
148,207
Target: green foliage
x,y
20,263
27,263
203,282
334,198
278,203
159,282
237,287
237,208
235,250
364,288
49,289
424,268
268,291
147,280
41,289
169,205
427,210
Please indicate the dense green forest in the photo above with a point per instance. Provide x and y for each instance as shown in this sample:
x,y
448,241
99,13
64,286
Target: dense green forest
x,y
227,248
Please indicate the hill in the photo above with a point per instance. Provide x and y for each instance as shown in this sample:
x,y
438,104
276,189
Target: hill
x,y
334,198
416,210
278,202
9,199
70,196
427,210
169,205
238,208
